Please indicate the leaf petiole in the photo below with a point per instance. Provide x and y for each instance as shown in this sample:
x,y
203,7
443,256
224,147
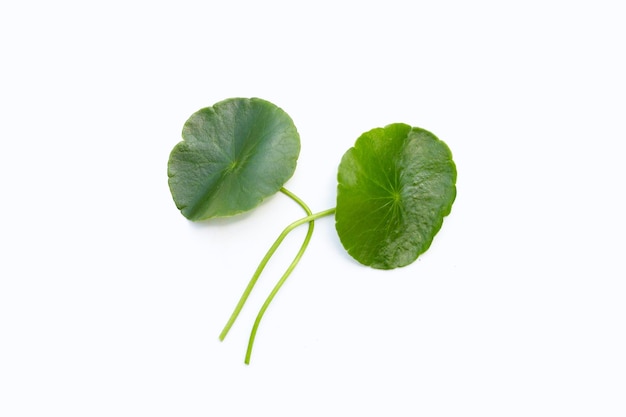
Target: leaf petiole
x,y
309,219
264,262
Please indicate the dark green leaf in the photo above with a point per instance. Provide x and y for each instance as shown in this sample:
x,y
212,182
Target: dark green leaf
x,y
395,187
233,156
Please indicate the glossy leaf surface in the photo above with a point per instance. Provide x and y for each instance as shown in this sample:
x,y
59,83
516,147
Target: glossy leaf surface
x,y
233,155
395,186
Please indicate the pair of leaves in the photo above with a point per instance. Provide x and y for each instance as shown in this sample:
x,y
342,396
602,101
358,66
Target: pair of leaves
x,y
395,185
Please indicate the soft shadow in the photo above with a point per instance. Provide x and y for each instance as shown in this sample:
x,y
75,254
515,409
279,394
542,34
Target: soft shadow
x,y
227,221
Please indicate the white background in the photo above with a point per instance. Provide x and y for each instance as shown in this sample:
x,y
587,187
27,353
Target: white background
x,y
111,301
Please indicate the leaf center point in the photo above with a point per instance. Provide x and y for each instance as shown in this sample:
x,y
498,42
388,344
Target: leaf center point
x,y
232,166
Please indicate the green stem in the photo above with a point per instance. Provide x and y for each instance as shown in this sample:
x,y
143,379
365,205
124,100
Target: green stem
x,y
309,219
264,262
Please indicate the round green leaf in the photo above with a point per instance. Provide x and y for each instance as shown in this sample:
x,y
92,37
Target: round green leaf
x,y
395,187
233,155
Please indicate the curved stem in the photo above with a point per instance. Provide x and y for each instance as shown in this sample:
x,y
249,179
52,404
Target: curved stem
x,y
264,262
309,219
